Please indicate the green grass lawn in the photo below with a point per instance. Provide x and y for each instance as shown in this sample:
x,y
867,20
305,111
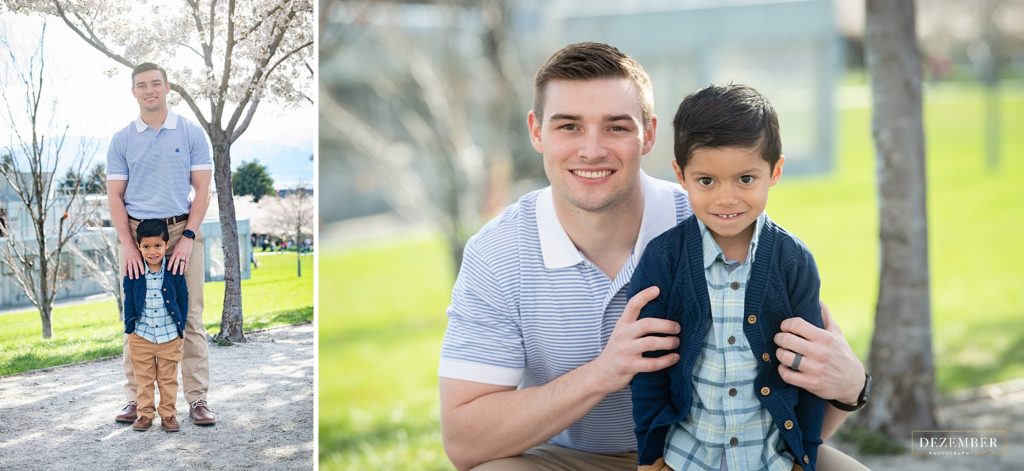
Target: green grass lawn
x,y
86,331
379,343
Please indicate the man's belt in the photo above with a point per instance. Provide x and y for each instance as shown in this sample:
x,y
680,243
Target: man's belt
x,y
170,221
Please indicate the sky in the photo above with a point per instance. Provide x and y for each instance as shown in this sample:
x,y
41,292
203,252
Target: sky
x,y
95,104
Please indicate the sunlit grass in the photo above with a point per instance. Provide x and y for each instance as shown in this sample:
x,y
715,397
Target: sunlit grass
x,y
81,332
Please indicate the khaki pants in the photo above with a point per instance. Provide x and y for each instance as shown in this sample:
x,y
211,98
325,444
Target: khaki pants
x,y
156,361
550,457
195,361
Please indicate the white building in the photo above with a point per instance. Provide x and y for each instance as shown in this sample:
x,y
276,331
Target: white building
x,y
79,281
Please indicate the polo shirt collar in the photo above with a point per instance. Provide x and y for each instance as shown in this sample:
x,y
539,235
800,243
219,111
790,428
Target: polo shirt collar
x,y
171,122
560,252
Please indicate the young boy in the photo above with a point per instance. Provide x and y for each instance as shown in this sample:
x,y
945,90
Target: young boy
x,y
729,276
155,306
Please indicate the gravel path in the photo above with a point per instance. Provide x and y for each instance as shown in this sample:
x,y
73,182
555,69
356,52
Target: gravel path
x,y
261,391
995,407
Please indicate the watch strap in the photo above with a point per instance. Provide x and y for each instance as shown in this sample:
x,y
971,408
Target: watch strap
x,y
862,399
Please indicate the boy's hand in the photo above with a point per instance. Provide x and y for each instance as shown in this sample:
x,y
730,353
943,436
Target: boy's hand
x,y
179,258
657,465
133,266
622,357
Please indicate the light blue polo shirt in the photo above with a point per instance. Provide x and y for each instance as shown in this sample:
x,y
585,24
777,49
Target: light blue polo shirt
x,y
528,307
158,165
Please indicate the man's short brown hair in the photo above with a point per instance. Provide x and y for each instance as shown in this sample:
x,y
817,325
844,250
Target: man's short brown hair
x,y
146,67
591,61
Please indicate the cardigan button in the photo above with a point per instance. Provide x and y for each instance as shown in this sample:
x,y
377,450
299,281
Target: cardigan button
x,y
788,424
167,302
807,459
765,391
751,319
765,357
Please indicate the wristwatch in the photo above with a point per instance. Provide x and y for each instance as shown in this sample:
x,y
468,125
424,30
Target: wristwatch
x,y
188,234
865,394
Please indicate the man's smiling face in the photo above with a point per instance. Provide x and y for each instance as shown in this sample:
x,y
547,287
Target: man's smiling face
x,y
150,90
592,137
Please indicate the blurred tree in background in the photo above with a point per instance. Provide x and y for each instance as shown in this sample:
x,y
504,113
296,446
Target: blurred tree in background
x,y
429,99
252,178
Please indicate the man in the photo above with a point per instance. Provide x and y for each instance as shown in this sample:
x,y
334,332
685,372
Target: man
x,y
153,165
541,343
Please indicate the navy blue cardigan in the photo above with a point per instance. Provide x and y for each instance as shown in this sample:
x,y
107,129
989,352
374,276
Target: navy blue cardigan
x,y
783,283
175,300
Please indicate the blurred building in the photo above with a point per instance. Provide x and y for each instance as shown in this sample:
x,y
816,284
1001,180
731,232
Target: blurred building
x,y
78,279
789,50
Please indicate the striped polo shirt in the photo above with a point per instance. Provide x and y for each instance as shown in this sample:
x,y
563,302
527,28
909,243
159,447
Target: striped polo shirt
x,y
529,307
727,427
158,165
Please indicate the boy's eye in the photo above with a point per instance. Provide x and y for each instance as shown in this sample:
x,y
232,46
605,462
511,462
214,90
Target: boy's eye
x,y
569,127
747,179
705,181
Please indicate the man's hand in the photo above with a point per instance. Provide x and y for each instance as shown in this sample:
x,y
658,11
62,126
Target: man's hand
x,y
133,266
829,369
179,258
623,357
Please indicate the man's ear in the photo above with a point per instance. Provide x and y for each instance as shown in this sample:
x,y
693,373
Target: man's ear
x,y
650,132
533,122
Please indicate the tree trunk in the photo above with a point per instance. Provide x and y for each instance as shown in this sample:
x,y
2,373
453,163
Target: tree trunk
x,y
231,317
298,252
45,305
901,359
45,313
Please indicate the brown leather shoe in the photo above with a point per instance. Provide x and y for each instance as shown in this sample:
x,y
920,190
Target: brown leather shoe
x,y
201,414
128,414
142,424
169,424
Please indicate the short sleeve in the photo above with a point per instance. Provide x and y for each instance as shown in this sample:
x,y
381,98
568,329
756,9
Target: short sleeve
x,y
199,150
483,342
117,160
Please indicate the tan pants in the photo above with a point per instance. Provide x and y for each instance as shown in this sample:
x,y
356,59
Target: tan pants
x,y
156,361
550,457
195,362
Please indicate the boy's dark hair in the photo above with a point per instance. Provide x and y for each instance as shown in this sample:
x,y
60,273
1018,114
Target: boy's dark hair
x,y
730,115
591,61
152,228
146,67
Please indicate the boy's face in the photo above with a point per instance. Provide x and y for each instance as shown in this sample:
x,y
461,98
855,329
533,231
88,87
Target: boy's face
x,y
150,90
153,249
592,137
728,188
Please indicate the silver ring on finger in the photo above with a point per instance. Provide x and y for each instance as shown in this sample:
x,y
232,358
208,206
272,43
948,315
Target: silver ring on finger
x,y
795,366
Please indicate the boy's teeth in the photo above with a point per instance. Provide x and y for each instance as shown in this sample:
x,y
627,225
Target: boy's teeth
x,y
592,174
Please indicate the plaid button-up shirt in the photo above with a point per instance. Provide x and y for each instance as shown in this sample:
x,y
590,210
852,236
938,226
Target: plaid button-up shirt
x,y
727,428
155,323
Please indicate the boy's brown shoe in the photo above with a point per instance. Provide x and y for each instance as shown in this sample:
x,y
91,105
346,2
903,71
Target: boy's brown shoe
x,y
128,414
142,424
169,424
